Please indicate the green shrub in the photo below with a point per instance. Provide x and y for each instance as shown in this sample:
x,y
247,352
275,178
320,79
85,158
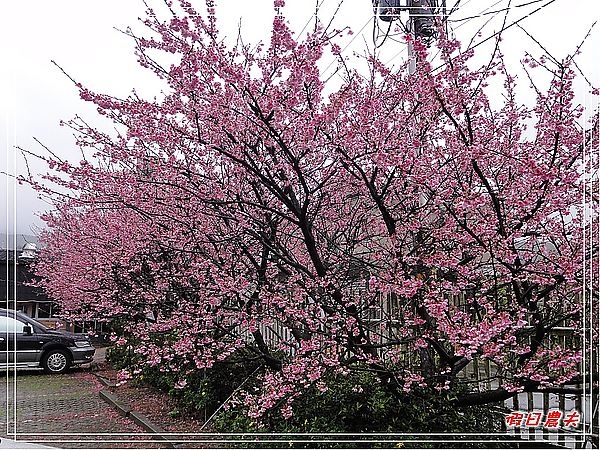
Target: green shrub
x,y
354,403
360,403
205,389
120,357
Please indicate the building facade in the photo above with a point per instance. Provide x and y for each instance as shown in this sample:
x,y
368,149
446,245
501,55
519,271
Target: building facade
x,y
17,290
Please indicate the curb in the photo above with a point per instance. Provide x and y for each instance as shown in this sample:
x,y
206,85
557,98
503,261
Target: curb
x,y
105,381
122,408
140,419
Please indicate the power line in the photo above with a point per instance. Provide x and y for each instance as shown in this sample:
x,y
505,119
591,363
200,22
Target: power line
x,y
494,34
333,15
466,20
508,26
457,6
484,13
348,44
454,9
376,30
481,13
319,4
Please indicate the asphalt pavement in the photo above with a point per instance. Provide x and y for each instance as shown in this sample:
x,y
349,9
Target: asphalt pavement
x,y
15,445
60,411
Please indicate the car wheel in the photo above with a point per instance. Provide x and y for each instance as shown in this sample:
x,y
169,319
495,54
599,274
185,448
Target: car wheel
x,y
55,361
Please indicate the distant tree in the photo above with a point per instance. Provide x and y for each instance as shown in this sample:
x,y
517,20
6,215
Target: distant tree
x,y
328,233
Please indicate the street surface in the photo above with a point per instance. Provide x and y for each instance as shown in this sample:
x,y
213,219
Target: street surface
x,y
58,408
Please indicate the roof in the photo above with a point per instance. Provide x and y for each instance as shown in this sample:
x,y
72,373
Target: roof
x,y
12,241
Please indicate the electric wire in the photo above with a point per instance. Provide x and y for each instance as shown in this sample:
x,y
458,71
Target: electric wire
x,y
376,27
318,7
505,28
496,11
334,15
348,44
467,20
454,9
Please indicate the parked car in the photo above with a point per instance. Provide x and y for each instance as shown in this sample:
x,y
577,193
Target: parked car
x,y
35,345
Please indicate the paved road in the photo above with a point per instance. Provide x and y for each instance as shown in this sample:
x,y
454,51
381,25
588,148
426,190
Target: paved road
x,y
14,445
34,404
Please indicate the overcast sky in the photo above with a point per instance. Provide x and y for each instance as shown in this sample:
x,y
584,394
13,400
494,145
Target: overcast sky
x,y
80,36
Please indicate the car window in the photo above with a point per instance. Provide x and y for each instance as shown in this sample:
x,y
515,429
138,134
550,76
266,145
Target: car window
x,y
10,325
37,324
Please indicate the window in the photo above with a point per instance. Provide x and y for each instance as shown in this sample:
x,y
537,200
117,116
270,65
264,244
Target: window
x,y
10,325
44,310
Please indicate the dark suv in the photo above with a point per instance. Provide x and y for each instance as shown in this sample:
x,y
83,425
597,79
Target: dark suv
x,y
35,345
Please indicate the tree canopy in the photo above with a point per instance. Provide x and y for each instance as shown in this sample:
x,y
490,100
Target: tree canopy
x,y
393,222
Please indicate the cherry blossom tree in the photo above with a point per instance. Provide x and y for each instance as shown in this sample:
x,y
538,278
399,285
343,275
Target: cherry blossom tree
x,y
393,222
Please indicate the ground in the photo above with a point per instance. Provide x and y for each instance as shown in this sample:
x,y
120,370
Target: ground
x,y
66,410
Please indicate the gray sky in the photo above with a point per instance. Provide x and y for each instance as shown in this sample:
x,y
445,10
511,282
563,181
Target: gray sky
x,y
80,36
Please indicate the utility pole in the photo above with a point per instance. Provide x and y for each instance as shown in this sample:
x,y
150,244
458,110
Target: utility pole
x,y
421,24
412,60
421,21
